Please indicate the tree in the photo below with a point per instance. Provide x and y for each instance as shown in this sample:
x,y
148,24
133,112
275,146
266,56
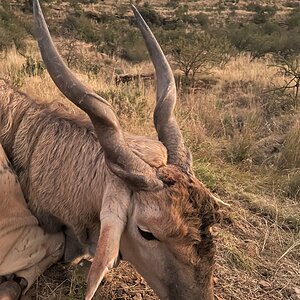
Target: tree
x,y
290,69
71,50
196,52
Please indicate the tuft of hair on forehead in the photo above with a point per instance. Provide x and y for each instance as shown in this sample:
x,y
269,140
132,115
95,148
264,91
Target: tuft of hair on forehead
x,y
190,197
188,212
192,211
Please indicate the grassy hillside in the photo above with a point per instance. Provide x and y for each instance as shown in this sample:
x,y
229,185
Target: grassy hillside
x,y
240,123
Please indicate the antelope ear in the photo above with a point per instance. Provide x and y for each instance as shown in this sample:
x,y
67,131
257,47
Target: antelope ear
x,y
106,254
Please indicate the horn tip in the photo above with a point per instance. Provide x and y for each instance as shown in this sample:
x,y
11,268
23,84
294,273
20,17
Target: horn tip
x,y
37,10
134,9
35,5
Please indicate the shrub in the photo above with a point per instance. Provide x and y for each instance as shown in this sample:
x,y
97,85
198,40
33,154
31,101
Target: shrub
x,y
173,3
32,67
27,6
81,27
103,18
150,15
253,7
293,20
260,39
71,50
12,32
115,37
292,4
182,13
264,14
133,47
127,102
201,19
5,40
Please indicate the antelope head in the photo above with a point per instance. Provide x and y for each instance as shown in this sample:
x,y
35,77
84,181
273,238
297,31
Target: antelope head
x,y
167,213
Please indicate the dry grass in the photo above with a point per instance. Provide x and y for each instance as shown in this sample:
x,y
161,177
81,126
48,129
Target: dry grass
x,y
66,283
290,157
225,124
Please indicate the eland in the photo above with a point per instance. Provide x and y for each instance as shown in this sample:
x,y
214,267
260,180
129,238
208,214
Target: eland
x,y
114,194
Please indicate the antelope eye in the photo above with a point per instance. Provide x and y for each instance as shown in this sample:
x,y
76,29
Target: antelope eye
x,y
147,235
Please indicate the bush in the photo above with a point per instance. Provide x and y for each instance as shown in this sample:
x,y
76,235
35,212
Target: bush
x,y
150,15
293,20
103,18
110,35
12,32
114,38
81,27
27,6
264,14
173,3
260,39
182,14
292,4
269,10
133,47
201,19
32,67
253,7
127,102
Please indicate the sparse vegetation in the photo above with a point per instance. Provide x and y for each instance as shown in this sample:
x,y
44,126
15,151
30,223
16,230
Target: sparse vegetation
x,y
241,120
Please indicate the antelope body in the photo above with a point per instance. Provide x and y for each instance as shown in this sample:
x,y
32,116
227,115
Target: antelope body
x,y
116,193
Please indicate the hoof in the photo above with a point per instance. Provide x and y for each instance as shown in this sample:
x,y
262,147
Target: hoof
x,y
10,290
